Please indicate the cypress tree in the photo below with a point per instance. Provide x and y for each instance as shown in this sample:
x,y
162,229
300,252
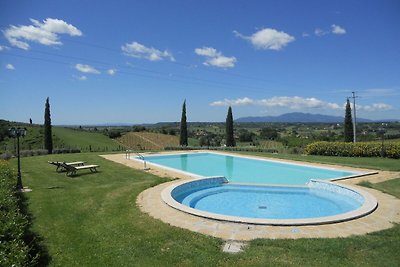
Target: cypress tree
x,y
183,141
348,124
48,138
230,140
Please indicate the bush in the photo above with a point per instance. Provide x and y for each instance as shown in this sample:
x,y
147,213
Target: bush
x,y
13,224
33,152
66,150
238,149
360,149
5,156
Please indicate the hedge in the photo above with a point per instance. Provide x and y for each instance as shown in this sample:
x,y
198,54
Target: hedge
x,y
237,149
13,223
360,149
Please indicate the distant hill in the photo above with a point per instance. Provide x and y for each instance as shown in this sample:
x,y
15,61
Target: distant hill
x,y
298,117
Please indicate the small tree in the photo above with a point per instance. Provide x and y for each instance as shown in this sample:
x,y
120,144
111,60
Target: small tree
x,y
269,133
230,140
48,138
183,141
348,124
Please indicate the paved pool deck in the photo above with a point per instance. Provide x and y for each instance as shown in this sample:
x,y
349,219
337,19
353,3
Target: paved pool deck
x,y
150,202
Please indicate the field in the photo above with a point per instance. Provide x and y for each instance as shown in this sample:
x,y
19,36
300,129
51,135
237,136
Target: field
x,y
148,141
63,138
85,140
93,220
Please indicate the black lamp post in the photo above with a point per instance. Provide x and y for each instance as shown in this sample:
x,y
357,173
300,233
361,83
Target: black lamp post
x,y
17,133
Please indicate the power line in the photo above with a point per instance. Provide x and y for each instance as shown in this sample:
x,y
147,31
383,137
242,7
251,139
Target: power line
x,y
173,62
192,79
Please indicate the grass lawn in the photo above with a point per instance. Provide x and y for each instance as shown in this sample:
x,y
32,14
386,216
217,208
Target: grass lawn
x,y
93,220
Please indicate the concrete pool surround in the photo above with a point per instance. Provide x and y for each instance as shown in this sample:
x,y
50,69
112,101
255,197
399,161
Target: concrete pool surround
x,y
150,202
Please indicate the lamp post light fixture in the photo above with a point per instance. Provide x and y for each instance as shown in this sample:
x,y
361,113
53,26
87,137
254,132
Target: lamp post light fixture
x,y
17,133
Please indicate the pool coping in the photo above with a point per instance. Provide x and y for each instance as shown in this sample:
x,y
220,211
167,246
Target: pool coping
x,y
370,204
357,175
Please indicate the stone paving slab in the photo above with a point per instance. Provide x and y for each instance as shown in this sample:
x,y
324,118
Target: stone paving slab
x,y
150,202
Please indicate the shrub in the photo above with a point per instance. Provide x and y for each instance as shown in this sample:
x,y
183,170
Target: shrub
x,y
238,149
360,149
5,156
13,224
66,150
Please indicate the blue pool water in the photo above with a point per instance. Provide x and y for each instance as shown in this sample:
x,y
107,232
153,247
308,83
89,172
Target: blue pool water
x,y
246,170
268,202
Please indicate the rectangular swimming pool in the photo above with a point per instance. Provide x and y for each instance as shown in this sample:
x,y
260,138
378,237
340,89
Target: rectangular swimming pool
x,y
238,169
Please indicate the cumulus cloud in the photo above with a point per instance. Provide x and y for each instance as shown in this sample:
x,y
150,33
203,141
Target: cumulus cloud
x,y
295,102
215,58
86,69
111,72
10,67
46,33
138,50
267,39
82,78
336,29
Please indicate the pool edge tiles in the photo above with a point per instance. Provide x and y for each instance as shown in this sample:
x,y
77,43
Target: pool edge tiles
x,y
368,206
317,171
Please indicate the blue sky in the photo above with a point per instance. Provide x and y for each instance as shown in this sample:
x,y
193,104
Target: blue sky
x,y
136,61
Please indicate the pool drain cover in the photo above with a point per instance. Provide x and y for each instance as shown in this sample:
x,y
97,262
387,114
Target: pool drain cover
x,y
262,207
233,247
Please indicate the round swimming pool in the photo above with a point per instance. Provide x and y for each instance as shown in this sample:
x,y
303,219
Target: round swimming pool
x,y
319,202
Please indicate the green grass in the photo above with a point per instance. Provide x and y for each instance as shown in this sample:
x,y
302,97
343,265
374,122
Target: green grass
x,y
84,139
93,220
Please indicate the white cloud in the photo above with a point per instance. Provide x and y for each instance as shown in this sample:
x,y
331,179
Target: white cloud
x,y
336,29
82,78
138,50
3,47
111,72
295,102
234,102
320,32
86,69
305,34
215,58
206,51
46,33
375,107
268,39
10,67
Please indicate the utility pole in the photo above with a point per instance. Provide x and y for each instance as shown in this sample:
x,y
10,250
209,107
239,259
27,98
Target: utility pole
x,y
355,118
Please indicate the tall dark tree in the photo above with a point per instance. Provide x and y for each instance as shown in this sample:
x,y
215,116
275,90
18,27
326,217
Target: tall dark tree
x,y
348,124
230,140
48,137
183,141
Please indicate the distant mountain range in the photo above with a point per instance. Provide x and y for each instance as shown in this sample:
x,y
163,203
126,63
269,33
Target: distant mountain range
x,y
302,117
